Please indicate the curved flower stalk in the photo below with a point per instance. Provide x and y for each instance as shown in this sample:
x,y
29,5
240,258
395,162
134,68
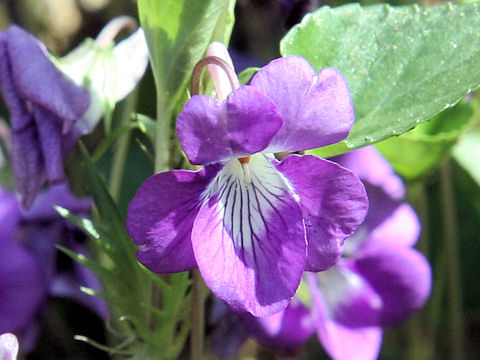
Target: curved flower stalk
x,y
252,224
8,347
379,281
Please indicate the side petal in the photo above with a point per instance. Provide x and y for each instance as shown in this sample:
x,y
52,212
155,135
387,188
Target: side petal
x,y
333,202
342,342
317,109
211,130
401,276
249,239
161,216
39,81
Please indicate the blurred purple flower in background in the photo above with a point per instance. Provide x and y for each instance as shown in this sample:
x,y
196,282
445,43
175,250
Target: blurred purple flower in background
x,y
44,106
53,102
28,259
379,281
252,224
22,283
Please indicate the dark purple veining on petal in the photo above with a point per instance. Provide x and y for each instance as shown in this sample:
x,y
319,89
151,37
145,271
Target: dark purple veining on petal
x,y
249,239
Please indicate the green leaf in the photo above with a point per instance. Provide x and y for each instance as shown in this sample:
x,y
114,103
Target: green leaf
x,y
178,33
419,151
403,64
146,125
246,75
467,154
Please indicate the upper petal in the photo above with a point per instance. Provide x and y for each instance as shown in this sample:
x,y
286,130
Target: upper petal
x,y
249,239
211,130
317,109
333,202
161,216
39,81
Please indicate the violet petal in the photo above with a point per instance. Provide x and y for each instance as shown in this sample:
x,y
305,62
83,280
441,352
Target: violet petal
x,y
28,165
22,287
39,81
286,330
212,130
9,214
343,342
348,298
160,218
316,109
333,202
249,239
401,276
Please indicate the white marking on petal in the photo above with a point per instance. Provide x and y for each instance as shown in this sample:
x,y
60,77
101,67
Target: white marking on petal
x,y
339,286
248,199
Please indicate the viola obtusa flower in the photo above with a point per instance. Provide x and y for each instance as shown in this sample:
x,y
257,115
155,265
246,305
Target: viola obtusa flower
x,y
379,281
252,224
22,284
53,102
44,106
28,260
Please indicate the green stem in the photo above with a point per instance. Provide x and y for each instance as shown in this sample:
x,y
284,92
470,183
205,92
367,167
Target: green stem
x,y
198,317
121,151
455,314
162,136
419,346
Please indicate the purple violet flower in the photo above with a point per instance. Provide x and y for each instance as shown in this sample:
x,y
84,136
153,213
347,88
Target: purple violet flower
x,y
8,347
44,106
22,286
379,281
250,223
28,258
